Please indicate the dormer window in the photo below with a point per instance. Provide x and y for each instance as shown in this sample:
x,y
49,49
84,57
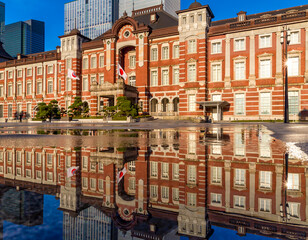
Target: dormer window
x,y
153,17
241,16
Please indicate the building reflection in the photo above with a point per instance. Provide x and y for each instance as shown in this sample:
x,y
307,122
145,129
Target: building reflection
x,y
178,184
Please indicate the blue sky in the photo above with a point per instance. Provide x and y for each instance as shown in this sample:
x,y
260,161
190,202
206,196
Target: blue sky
x,y
52,12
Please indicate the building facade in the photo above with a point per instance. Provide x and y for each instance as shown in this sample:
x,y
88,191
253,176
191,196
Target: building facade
x,y
188,67
182,180
170,6
91,17
24,37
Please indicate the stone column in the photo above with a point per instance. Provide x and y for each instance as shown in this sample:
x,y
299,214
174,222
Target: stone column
x,y
228,64
279,183
227,183
252,62
252,186
279,57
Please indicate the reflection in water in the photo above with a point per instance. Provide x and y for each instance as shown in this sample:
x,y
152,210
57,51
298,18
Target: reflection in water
x,y
178,183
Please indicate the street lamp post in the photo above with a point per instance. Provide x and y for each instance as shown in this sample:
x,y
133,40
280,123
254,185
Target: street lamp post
x,y
284,208
285,41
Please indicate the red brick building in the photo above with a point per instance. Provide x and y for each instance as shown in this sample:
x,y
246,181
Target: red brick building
x,y
177,68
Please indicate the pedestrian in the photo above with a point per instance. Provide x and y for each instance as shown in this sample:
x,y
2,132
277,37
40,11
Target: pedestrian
x,y
20,116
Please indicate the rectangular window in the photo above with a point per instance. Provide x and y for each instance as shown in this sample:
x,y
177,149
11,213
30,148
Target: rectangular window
x,y
101,79
191,103
216,175
85,64
132,61
100,185
38,175
239,44
84,183
265,41
68,84
239,144
165,53
49,159
239,104
175,171
93,80
84,163
29,109
10,110
28,173
50,86
19,73
192,144
192,46
175,194
50,69
216,72
165,170
29,88
165,193
154,54
293,181
294,209
154,169
18,157
10,74
39,71
132,184
192,199
265,179
49,176
38,159
216,198
216,97
93,62
93,183
1,91
1,75
10,90
293,66
192,72
294,37
19,89
9,157
101,61
216,47
240,71
176,75
265,103
29,72
240,177
85,84
216,149
184,21
265,145
265,68
154,78
39,88
153,191
165,77
18,171
239,201
191,174
265,205
293,102
176,51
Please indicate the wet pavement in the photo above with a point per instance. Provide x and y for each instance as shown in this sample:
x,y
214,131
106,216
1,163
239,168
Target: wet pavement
x,y
156,180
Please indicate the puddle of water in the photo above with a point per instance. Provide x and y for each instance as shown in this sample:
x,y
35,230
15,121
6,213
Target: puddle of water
x,y
178,184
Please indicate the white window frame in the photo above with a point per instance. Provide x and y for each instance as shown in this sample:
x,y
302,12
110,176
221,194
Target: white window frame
x,y
192,46
238,76
299,37
154,84
261,42
153,56
191,105
216,175
175,81
93,64
163,56
85,83
176,53
85,63
262,73
238,47
217,70
291,186
216,197
191,77
101,60
216,47
290,92
236,107
263,183
270,103
239,199
265,200
164,81
298,70
239,177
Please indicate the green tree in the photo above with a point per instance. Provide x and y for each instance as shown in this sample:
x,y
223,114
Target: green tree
x,y
126,108
79,108
48,111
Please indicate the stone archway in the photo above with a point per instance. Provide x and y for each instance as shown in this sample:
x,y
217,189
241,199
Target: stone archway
x,y
165,105
176,102
154,105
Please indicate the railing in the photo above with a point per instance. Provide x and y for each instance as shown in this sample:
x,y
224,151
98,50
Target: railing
x,y
240,24
266,20
293,15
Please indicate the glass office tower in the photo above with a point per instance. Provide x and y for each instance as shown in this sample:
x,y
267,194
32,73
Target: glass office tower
x,y
170,6
2,19
91,17
24,37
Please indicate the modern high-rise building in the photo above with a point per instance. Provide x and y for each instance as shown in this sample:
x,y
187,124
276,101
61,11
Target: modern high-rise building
x,y
24,37
2,19
170,6
91,17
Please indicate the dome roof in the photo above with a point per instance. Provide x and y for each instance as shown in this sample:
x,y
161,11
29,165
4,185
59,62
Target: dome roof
x,y
195,5
75,31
